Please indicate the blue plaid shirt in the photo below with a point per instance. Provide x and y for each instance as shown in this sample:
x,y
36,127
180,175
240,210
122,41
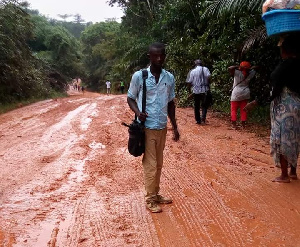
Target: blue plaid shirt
x,y
158,96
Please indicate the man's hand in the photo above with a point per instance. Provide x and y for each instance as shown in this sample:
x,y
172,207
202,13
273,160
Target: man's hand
x,y
190,96
250,106
232,68
176,135
133,106
142,116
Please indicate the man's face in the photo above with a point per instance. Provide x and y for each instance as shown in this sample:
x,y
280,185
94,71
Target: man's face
x,y
157,57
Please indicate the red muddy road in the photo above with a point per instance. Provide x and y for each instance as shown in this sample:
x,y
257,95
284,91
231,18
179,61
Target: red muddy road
x,y
67,180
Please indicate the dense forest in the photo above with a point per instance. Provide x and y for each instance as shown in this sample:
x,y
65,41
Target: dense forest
x,y
39,56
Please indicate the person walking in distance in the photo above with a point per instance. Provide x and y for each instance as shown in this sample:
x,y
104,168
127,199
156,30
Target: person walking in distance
x,y
240,94
108,87
160,95
122,86
199,80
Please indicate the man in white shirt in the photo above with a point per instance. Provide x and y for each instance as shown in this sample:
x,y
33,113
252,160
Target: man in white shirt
x,y
199,80
108,87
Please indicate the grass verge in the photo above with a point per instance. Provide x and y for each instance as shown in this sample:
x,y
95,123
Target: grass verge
x,y
14,105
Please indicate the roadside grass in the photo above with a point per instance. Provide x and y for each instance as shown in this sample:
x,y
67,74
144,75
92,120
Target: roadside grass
x,y
17,104
258,119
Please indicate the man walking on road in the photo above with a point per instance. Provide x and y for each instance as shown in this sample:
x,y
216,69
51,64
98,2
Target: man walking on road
x,y
122,86
108,87
199,80
160,104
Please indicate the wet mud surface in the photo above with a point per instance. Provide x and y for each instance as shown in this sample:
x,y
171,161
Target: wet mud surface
x,y
67,180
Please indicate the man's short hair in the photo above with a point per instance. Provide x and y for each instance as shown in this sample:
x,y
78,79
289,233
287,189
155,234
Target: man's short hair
x,y
157,45
198,62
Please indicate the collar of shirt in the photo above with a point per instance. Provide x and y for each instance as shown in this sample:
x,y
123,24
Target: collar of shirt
x,y
161,76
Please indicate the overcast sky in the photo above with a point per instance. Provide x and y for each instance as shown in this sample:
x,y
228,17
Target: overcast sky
x,y
90,10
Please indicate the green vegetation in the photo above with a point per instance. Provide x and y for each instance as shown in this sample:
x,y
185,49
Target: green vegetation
x,y
39,56
10,106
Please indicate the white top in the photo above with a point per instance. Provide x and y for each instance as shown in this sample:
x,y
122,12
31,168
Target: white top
x,y
240,86
198,77
108,84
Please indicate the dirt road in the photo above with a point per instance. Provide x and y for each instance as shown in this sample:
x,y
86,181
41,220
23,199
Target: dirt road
x,y
67,180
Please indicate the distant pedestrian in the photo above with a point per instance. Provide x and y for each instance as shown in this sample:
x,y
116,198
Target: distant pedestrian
x,y
199,80
78,83
240,94
82,88
74,83
122,86
108,87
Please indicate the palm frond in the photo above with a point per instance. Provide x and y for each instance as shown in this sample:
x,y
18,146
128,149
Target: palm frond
x,y
256,36
220,7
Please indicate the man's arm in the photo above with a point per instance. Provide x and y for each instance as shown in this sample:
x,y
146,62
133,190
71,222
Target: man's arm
x,y
133,91
209,80
231,69
171,114
189,86
188,81
133,106
249,107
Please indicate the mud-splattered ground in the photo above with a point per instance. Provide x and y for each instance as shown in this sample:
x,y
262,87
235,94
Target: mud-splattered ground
x,y
67,180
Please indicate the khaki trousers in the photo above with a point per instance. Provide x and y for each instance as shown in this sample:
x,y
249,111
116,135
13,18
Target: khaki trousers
x,y
153,160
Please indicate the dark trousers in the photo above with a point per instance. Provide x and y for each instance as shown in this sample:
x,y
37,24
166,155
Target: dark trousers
x,y
199,99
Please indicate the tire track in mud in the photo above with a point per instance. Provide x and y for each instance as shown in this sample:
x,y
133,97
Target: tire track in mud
x,y
22,144
60,221
34,146
240,186
219,223
87,191
115,213
111,221
201,197
36,196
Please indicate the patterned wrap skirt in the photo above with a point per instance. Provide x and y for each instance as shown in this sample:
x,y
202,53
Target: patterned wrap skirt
x,y
285,127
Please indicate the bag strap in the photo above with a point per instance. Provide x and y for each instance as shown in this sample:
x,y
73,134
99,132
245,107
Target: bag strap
x,y
145,76
202,75
203,80
240,82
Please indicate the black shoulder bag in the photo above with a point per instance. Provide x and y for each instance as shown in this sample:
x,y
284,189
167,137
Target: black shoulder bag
x,y
136,141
